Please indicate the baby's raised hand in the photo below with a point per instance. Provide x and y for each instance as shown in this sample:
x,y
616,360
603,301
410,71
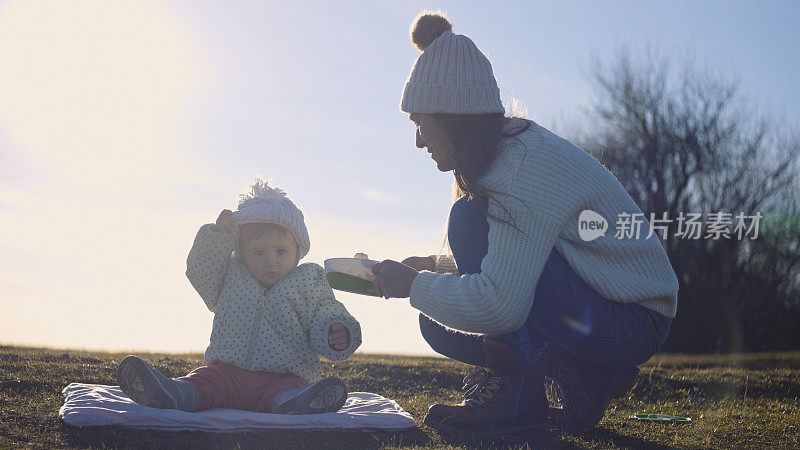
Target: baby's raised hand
x,y
338,336
224,222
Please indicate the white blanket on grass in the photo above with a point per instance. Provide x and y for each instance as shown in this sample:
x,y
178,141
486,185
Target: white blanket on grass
x,y
99,405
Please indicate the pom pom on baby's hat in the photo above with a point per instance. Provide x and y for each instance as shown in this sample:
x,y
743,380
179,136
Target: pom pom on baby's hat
x,y
262,203
259,190
428,26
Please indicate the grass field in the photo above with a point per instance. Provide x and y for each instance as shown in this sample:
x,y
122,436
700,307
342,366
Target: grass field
x,y
734,401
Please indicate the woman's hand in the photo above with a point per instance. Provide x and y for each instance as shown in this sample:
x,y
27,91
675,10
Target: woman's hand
x,y
338,336
420,263
393,279
224,222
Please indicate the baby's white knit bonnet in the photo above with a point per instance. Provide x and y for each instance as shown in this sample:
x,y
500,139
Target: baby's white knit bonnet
x,y
262,203
451,75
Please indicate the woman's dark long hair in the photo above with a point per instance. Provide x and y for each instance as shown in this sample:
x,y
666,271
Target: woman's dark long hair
x,y
474,139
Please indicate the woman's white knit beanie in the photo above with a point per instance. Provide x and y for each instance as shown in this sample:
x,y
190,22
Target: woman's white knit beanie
x,y
262,203
451,75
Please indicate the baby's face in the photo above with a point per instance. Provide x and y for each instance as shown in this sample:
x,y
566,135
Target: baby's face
x,y
270,256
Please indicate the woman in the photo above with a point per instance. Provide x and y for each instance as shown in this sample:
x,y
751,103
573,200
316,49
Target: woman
x,y
542,297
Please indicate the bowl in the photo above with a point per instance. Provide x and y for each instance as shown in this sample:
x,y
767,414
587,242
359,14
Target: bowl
x,y
351,275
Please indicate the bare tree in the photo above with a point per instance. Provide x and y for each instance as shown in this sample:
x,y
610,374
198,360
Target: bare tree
x,y
684,143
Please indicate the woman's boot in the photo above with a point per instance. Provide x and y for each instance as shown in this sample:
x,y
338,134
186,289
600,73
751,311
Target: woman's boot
x,y
585,389
506,398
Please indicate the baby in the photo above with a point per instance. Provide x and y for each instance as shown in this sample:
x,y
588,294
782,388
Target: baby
x,y
272,318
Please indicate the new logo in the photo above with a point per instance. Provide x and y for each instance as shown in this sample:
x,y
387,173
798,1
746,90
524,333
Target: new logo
x,y
591,225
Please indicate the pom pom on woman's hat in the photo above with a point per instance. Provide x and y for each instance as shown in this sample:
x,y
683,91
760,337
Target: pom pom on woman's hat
x,y
428,26
266,204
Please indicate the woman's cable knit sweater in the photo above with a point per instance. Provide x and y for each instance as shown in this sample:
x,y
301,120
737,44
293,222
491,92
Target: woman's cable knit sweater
x,y
282,331
545,182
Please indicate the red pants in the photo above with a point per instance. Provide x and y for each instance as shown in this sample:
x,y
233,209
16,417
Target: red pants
x,y
222,385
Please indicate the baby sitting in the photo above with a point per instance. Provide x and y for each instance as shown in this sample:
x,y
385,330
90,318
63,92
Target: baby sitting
x,y
272,318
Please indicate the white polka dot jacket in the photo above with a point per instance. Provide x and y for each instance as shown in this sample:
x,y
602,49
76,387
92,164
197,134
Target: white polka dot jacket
x,y
282,331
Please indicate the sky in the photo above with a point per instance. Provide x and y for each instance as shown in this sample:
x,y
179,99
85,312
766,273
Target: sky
x,y
126,125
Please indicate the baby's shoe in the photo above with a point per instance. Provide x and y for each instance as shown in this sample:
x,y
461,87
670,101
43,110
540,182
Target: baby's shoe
x,y
326,395
147,386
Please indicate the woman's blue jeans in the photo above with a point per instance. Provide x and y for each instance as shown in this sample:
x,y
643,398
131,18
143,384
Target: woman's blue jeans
x,y
566,311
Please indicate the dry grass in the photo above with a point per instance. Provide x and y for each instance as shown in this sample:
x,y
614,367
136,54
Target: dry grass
x,y
735,401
